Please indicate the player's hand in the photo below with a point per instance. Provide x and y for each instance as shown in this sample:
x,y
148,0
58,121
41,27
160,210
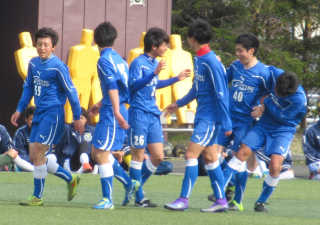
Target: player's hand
x,y
162,65
257,111
184,73
263,98
94,110
15,117
79,126
228,133
170,109
121,121
224,155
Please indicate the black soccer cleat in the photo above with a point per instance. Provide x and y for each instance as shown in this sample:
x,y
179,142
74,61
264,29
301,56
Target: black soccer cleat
x,y
229,196
145,203
260,207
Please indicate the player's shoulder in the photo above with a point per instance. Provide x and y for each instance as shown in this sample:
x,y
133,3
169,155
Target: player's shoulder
x,y
21,130
3,129
34,61
314,127
274,70
262,69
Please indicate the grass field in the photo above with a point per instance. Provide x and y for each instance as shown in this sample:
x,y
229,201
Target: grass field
x,y
293,202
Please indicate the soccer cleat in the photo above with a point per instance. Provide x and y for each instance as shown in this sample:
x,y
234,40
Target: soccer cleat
x,y
145,203
216,207
181,204
265,173
130,191
229,195
234,206
32,201
260,207
86,168
72,186
104,204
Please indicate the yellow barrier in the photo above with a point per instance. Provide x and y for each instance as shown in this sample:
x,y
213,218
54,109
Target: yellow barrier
x,y
182,60
82,63
134,53
23,55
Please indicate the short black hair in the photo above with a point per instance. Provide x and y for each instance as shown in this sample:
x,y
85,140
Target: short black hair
x,y
29,111
105,34
248,41
47,32
84,113
155,37
286,84
200,30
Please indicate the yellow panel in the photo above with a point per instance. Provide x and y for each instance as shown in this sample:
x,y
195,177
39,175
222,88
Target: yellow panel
x,y
82,63
163,95
23,55
134,53
181,60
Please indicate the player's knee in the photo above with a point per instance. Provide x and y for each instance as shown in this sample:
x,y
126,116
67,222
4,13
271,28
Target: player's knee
x,y
274,168
243,153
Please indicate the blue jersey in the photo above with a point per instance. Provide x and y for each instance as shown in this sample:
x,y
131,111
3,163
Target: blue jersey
x,y
5,140
144,98
71,139
247,87
283,113
311,143
50,84
21,142
112,68
210,89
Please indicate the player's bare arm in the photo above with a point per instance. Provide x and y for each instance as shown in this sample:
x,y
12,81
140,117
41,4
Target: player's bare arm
x,y
114,97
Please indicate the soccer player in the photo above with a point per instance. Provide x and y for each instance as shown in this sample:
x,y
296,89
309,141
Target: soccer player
x,y
145,127
249,79
5,147
211,91
73,149
48,80
311,149
111,129
283,111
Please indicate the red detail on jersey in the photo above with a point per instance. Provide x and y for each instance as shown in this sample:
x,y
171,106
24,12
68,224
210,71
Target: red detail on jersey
x,y
204,50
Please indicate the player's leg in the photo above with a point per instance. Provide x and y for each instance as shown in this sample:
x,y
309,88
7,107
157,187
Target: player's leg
x,y
191,173
164,168
19,162
101,157
262,160
278,148
80,158
217,181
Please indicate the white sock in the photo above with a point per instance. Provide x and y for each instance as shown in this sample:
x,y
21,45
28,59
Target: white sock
x,y
84,158
23,164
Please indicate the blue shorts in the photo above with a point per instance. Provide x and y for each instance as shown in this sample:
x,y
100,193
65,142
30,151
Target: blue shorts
x,y
275,143
205,132
108,134
144,128
237,135
47,125
287,162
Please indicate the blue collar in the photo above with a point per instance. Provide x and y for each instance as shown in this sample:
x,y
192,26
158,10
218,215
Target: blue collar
x,y
149,57
106,50
42,61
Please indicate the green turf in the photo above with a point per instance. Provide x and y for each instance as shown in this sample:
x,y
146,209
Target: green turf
x,y
293,202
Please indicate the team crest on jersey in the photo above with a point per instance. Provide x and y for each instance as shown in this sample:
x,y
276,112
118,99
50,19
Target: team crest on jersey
x,y
87,136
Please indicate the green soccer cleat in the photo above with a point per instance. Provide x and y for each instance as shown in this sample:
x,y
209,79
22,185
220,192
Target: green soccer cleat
x,y
72,186
32,201
234,206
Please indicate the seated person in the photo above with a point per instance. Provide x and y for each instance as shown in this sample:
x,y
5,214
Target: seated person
x,y
263,161
311,149
124,158
19,153
73,149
